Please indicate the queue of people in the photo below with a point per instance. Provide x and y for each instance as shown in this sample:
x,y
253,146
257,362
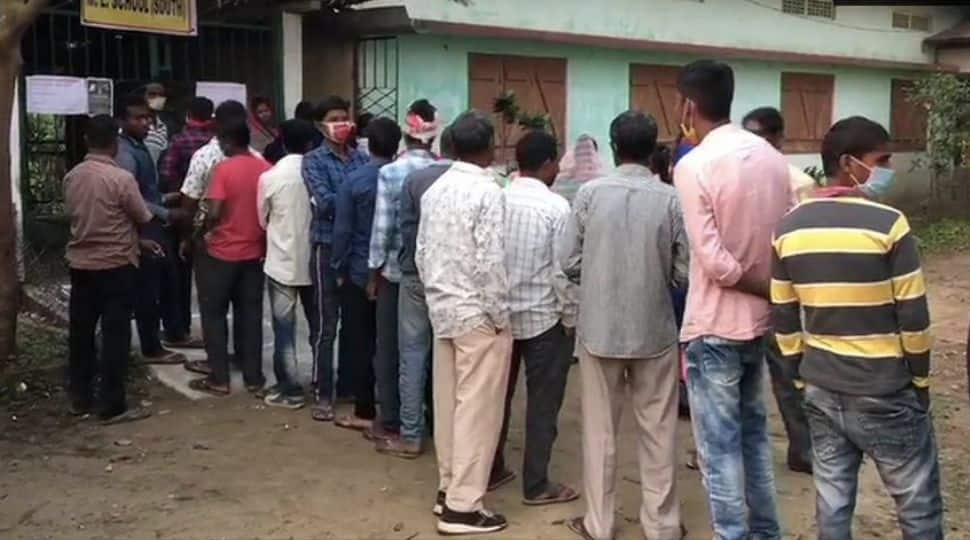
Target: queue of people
x,y
445,283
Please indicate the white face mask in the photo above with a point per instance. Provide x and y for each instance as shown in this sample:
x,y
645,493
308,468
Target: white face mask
x,y
157,103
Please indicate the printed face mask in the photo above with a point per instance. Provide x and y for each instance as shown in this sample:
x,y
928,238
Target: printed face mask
x,y
338,132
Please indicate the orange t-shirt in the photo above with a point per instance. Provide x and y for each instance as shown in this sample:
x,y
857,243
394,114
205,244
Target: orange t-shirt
x,y
238,237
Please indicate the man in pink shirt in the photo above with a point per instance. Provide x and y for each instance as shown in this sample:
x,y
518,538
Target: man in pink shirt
x,y
734,189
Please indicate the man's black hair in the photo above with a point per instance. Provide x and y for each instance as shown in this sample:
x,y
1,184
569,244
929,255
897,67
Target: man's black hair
x,y
535,149
200,108
330,104
424,109
129,102
447,143
304,111
364,120
634,136
383,137
855,136
230,112
660,163
235,133
101,132
710,85
297,135
769,118
472,133
259,100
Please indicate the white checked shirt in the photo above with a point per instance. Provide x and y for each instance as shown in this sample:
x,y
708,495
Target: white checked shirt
x,y
461,252
539,293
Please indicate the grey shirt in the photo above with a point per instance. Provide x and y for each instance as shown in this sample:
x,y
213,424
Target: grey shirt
x,y
409,214
626,239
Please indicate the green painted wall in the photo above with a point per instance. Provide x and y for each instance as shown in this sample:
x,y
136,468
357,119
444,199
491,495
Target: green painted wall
x,y
436,68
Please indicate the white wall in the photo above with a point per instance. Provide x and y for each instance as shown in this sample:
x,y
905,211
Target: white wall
x,y
292,62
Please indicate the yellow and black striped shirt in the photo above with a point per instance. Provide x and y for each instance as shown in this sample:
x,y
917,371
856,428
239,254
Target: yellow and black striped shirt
x,y
849,269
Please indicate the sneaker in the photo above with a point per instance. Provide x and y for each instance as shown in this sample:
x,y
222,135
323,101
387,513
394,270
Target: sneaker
x,y
268,391
280,399
439,504
454,523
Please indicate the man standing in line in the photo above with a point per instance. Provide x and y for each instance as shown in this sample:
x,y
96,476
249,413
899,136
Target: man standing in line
x,y
150,305
194,190
285,214
851,268
156,141
542,312
767,122
173,169
420,129
324,169
106,211
231,270
720,182
414,329
353,223
461,258
625,241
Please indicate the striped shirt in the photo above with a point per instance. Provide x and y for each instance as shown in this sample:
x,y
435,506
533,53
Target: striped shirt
x,y
850,307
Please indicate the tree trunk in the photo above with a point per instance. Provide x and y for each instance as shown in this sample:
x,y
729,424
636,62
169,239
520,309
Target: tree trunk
x,y
10,62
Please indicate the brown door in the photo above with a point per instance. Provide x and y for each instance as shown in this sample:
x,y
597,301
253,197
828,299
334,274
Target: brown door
x,y
806,105
653,90
539,85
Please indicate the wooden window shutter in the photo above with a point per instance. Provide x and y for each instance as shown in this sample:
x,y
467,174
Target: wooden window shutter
x,y
539,85
653,90
806,105
907,121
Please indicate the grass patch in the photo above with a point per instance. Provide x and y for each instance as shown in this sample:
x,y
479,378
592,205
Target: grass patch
x,y
944,235
39,346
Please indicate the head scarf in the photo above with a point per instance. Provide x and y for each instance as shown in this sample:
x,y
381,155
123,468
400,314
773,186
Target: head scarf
x,y
421,129
583,162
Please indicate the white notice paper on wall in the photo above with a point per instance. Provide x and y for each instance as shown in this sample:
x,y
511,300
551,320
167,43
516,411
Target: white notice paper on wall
x,y
219,92
49,94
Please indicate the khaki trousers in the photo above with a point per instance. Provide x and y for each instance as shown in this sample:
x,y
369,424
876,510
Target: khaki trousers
x,y
470,375
652,386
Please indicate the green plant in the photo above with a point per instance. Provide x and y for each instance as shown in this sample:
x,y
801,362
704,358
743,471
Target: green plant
x,y
507,105
946,99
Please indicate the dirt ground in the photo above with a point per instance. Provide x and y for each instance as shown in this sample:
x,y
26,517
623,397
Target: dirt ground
x,y
233,469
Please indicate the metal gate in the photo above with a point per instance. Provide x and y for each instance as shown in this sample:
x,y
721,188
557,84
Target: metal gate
x,y
58,44
375,69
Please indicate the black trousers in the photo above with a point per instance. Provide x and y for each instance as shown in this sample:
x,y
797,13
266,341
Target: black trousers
x,y
107,296
360,320
387,360
148,313
547,359
240,284
175,300
789,401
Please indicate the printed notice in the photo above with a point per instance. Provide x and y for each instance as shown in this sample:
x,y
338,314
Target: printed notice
x,y
100,96
219,92
50,94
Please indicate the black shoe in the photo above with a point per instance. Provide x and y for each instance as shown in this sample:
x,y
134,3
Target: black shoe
x,y
800,466
454,523
439,504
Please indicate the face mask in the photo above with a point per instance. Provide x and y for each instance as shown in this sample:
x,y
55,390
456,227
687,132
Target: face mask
x,y
879,183
157,103
338,132
688,131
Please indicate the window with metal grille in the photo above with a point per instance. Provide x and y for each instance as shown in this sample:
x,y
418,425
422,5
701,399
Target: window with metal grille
x,y
812,8
376,64
902,19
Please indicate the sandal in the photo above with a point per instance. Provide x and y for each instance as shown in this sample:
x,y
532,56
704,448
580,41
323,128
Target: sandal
x,y
206,387
354,423
322,412
131,415
164,357
577,526
557,493
198,366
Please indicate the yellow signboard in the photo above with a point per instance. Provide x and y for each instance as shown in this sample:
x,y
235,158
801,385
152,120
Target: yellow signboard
x,y
160,16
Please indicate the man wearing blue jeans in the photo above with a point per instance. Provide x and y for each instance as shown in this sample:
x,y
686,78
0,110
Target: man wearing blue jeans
x,y
414,326
285,214
730,172
852,323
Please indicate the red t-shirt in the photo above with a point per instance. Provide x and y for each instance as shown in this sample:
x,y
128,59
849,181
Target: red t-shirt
x,y
235,182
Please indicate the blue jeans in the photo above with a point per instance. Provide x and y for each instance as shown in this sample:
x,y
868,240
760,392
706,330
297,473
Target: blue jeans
x,y
414,344
896,432
282,301
725,380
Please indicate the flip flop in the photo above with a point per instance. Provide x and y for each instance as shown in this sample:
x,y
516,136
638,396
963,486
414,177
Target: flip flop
x,y
322,412
557,494
131,415
168,358
577,526
353,423
204,386
190,342
197,366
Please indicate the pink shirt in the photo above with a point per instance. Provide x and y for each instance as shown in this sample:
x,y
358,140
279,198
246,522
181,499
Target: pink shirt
x,y
734,188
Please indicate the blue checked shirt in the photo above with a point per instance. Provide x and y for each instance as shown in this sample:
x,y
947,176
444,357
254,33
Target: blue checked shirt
x,y
386,241
323,172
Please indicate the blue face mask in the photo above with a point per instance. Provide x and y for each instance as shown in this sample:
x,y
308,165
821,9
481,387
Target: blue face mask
x,y
880,180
